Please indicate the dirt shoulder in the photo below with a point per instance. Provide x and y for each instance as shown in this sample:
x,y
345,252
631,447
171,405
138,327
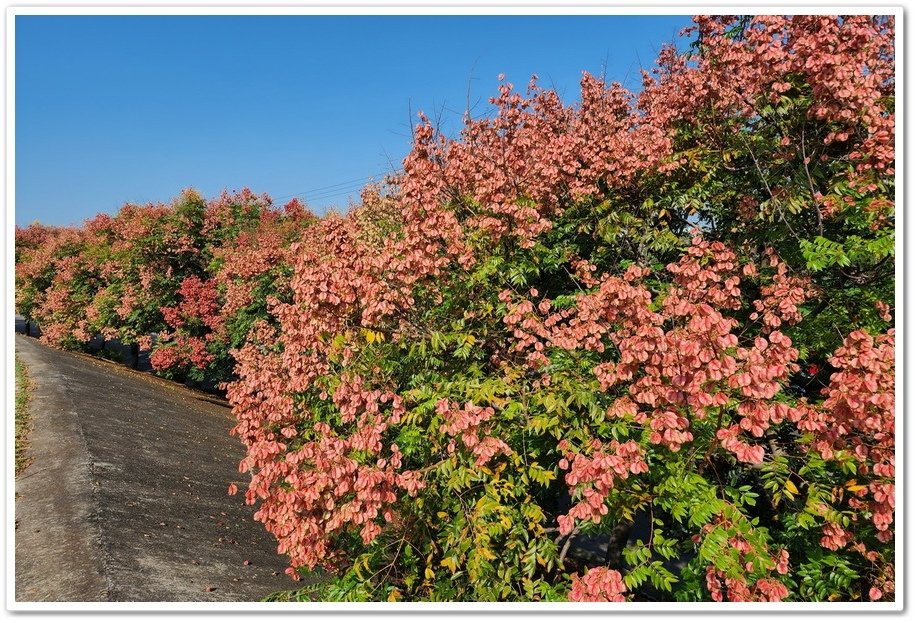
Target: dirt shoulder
x,y
125,499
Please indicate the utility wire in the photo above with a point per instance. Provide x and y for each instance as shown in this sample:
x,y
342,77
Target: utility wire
x,y
335,193
338,188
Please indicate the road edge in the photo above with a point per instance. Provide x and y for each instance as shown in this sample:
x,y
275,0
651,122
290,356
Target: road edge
x,y
58,551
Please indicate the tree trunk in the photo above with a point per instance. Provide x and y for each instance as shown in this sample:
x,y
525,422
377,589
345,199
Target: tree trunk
x,y
617,541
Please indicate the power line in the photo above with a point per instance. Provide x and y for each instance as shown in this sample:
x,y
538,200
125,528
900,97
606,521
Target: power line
x,y
330,186
334,193
328,198
339,187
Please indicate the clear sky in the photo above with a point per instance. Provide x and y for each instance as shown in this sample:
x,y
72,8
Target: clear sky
x,y
115,109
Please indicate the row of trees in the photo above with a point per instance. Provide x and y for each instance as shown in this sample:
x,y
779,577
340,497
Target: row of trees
x,y
671,308
191,275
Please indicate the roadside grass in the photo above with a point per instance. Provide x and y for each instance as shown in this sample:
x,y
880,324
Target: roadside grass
x,y
310,593
22,416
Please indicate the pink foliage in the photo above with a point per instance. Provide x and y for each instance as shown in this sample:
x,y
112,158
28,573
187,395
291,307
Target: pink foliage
x,y
598,584
848,63
593,477
857,417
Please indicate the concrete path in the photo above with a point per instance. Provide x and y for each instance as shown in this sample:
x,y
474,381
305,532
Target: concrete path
x,y
125,499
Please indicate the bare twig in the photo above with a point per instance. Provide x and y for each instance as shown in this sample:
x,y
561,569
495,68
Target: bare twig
x,y
817,210
769,190
566,546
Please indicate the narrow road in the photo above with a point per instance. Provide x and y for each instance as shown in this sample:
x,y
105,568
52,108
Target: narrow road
x,y
125,499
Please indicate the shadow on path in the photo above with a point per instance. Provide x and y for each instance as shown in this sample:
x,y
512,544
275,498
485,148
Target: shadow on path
x,y
126,497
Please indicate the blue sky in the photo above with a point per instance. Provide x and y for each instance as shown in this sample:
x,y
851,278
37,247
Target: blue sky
x,y
116,109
